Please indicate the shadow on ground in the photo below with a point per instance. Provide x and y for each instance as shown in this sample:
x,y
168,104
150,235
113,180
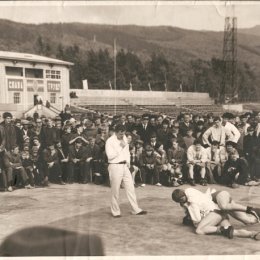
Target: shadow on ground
x,y
158,233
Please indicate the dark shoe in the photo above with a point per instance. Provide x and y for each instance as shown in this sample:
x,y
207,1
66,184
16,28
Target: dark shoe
x,y
254,211
117,216
143,212
203,182
192,182
227,232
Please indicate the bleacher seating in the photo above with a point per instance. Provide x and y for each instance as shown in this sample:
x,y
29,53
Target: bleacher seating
x,y
139,102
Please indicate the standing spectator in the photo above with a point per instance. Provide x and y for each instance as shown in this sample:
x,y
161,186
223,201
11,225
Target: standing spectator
x,y
9,131
188,138
217,132
117,150
49,133
37,130
235,134
145,129
63,161
164,134
185,125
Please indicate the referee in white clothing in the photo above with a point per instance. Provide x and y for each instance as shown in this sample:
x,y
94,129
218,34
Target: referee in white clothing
x,y
117,150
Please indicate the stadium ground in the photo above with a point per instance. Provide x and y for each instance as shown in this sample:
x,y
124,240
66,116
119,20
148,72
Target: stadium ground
x,y
85,208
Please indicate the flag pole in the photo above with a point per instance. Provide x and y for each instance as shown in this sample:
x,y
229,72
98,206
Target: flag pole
x,y
115,75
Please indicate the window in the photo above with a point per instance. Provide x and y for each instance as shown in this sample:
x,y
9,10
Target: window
x,y
17,98
53,98
53,74
34,73
14,71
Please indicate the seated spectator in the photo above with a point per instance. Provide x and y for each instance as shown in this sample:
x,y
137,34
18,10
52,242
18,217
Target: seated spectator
x,y
63,155
135,136
148,166
37,165
27,163
139,149
153,140
97,162
163,165
164,134
15,173
134,164
213,164
77,162
236,171
175,134
79,133
197,158
52,167
176,158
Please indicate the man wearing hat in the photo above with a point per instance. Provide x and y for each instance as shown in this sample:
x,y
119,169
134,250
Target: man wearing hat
x,y
117,151
52,166
9,130
77,162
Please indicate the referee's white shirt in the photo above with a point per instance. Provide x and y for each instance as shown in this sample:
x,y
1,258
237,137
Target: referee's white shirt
x,y
115,153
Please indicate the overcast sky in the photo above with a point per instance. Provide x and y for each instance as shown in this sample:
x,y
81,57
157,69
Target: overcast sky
x,y
190,14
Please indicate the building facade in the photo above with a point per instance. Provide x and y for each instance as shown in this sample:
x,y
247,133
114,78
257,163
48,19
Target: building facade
x,y
28,79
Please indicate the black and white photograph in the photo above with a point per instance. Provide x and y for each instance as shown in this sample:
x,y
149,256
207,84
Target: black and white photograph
x,y
130,129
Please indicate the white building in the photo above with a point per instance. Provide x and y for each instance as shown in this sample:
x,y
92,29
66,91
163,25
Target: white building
x,y
24,78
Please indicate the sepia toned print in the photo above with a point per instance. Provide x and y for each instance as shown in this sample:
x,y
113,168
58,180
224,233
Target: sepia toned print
x,y
129,128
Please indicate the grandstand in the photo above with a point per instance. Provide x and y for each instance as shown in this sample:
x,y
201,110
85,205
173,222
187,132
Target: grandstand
x,y
139,102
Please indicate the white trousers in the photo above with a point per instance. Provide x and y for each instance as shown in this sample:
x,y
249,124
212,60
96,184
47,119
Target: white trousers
x,y
117,174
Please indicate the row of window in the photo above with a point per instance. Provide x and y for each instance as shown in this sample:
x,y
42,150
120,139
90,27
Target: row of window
x,y
32,73
17,98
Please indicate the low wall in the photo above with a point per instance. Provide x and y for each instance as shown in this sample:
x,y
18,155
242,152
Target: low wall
x,y
140,94
234,107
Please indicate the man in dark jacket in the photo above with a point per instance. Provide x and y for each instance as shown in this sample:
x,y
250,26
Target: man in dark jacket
x,y
52,166
9,131
77,162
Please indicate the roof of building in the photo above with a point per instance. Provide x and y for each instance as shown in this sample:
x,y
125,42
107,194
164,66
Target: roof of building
x,y
6,55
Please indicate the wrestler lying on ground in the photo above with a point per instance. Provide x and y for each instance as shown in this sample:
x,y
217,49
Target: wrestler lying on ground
x,y
210,218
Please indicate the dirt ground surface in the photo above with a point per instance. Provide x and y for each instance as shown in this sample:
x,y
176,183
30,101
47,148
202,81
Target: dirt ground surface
x,y
85,209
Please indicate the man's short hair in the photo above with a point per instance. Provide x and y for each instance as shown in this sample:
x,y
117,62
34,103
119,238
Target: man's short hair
x,y
177,195
120,128
196,142
216,118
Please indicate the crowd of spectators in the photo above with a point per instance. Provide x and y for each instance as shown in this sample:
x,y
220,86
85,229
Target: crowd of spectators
x,y
164,150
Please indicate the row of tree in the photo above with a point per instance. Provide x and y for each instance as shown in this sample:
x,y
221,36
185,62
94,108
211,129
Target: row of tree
x,y
156,73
